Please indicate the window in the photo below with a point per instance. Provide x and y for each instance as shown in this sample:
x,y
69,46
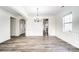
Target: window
x,y
67,23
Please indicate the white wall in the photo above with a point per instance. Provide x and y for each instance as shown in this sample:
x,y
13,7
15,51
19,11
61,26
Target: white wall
x,y
18,26
51,26
4,25
32,28
36,29
70,37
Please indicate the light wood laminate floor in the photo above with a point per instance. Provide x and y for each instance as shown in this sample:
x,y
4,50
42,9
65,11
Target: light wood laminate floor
x,y
36,44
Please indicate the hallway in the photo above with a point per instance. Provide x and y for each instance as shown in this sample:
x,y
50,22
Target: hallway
x,y
36,44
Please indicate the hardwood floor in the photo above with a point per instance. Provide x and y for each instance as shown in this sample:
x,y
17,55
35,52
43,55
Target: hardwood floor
x,y
36,44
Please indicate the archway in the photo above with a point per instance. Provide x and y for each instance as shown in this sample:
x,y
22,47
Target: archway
x,y
22,27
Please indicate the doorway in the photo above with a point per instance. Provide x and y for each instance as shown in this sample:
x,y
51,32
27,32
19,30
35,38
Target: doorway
x,y
45,27
17,27
12,27
22,27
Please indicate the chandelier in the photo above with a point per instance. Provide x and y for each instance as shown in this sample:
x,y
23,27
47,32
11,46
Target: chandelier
x,y
36,19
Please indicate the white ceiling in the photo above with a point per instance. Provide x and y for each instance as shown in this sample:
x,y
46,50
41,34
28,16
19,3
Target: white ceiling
x,y
42,11
32,10
10,10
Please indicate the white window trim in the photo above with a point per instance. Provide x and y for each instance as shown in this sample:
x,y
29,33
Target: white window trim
x,y
64,23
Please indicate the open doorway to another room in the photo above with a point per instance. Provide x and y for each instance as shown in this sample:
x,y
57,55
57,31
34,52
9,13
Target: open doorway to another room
x,y
45,27
12,27
22,27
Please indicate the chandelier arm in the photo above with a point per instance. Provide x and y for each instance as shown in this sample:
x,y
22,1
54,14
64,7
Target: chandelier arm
x,y
37,12
37,18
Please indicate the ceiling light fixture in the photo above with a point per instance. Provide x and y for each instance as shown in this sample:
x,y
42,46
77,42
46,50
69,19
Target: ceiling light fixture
x,y
36,19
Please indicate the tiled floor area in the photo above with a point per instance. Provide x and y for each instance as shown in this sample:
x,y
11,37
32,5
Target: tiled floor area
x,y
36,44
